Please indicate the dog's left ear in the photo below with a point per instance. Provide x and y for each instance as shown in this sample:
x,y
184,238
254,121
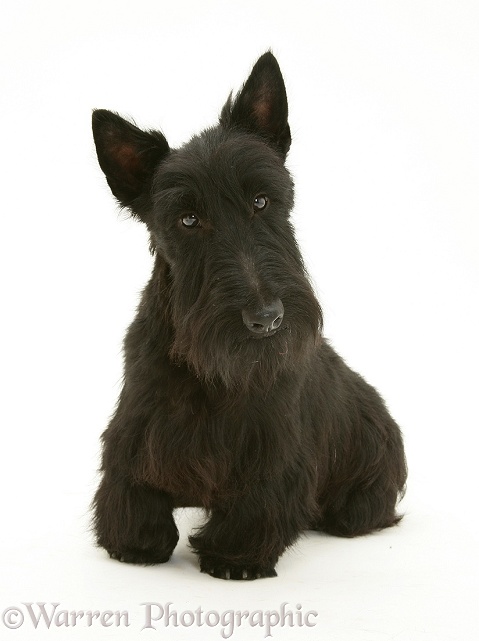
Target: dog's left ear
x,y
128,157
262,106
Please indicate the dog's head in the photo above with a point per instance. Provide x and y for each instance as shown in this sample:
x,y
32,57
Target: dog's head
x,y
217,209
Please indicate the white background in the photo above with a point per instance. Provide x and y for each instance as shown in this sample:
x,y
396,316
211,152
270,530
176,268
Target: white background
x,y
384,110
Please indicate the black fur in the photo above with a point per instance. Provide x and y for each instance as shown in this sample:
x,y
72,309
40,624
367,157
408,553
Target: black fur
x,y
231,400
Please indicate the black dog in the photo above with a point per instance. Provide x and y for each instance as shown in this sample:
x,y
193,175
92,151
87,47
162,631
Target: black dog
x,y
231,399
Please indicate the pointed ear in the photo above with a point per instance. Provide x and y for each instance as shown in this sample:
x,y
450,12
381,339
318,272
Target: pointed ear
x,y
262,106
127,155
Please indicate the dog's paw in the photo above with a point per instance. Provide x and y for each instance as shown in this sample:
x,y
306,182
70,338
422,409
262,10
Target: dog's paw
x,y
139,556
221,570
148,546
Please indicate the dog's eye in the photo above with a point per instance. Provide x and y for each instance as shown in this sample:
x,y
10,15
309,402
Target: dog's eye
x,y
260,203
190,220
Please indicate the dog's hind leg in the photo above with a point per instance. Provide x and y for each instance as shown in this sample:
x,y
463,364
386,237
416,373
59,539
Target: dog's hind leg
x,y
134,523
360,511
362,496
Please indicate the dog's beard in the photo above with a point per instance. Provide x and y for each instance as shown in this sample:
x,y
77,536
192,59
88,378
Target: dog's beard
x,y
220,349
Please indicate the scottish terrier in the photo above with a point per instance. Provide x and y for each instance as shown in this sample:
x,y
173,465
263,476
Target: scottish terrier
x,y
232,401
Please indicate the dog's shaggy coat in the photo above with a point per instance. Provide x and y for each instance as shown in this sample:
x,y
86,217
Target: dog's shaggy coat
x,y
232,401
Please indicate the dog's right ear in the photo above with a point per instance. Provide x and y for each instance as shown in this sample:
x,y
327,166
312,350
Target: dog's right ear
x,y
261,106
127,155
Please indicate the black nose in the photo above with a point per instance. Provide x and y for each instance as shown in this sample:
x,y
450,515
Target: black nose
x,y
265,320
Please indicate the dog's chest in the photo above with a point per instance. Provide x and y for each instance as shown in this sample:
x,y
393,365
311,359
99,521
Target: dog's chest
x,y
195,455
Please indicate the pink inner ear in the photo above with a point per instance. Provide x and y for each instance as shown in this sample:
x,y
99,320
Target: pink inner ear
x,y
262,110
127,158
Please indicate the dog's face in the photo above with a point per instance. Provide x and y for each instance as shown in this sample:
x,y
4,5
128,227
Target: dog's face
x,y
242,308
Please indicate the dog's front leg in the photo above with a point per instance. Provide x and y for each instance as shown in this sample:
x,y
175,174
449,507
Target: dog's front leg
x,y
243,540
134,523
